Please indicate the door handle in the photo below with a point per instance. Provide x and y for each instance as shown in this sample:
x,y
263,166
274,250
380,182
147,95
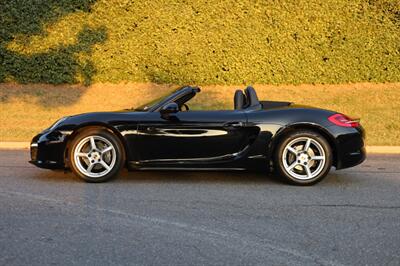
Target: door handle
x,y
234,124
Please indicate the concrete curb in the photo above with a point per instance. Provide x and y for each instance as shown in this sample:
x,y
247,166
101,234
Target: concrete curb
x,y
14,145
383,149
370,149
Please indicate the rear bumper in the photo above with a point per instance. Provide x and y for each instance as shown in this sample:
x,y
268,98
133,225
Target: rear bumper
x,y
350,148
351,159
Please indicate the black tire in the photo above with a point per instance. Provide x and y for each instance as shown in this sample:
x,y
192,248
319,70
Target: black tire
x,y
299,175
101,134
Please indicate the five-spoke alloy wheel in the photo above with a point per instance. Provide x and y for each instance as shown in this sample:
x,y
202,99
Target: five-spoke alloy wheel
x,y
303,158
96,155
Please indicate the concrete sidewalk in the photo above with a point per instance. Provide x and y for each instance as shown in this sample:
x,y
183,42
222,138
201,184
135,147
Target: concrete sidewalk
x,y
370,149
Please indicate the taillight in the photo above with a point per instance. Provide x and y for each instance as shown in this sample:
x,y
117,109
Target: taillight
x,y
343,121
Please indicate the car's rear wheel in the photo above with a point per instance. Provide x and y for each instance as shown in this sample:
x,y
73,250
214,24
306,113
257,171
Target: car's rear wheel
x,y
96,155
303,158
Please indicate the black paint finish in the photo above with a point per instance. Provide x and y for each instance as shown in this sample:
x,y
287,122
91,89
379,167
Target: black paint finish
x,y
156,138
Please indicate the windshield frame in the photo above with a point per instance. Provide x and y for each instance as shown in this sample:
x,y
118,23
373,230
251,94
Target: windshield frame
x,y
175,95
147,106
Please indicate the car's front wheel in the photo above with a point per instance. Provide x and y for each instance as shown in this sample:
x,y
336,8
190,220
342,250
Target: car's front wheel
x,y
303,158
96,155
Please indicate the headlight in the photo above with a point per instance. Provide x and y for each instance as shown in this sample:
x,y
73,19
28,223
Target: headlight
x,y
56,123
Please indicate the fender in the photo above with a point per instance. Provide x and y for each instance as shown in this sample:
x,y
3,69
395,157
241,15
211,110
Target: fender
x,y
79,128
284,130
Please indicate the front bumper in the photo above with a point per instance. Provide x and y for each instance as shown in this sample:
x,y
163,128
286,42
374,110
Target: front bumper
x,y
47,150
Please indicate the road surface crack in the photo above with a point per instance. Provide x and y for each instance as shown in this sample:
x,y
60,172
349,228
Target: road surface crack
x,y
348,206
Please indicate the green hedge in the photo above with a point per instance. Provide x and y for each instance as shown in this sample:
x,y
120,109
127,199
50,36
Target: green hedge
x,y
202,42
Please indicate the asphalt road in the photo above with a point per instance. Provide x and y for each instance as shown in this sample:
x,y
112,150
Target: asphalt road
x,y
198,218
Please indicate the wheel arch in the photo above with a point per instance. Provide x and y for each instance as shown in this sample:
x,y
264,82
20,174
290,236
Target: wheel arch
x,y
96,125
283,132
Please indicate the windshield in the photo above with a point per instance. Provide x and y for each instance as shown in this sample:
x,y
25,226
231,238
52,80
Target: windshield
x,y
148,105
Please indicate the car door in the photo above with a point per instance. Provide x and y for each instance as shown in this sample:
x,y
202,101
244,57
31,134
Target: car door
x,y
193,136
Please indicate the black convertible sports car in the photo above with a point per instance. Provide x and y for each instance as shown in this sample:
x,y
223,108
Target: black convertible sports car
x,y
301,143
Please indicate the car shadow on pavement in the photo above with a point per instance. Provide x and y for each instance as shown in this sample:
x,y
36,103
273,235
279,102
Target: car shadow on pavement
x,y
244,177
188,177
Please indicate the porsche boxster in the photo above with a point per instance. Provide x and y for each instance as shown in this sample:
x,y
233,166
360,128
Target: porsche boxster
x,y
300,143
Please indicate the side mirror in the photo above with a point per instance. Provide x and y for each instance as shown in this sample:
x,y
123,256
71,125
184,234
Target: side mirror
x,y
169,108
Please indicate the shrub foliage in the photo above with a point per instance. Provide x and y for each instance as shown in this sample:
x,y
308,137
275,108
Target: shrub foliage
x,y
203,42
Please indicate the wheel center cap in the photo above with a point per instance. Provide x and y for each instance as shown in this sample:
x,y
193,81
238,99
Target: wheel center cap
x,y
96,155
303,157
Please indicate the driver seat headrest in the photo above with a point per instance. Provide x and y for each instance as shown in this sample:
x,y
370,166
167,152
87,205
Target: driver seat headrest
x,y
252,98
